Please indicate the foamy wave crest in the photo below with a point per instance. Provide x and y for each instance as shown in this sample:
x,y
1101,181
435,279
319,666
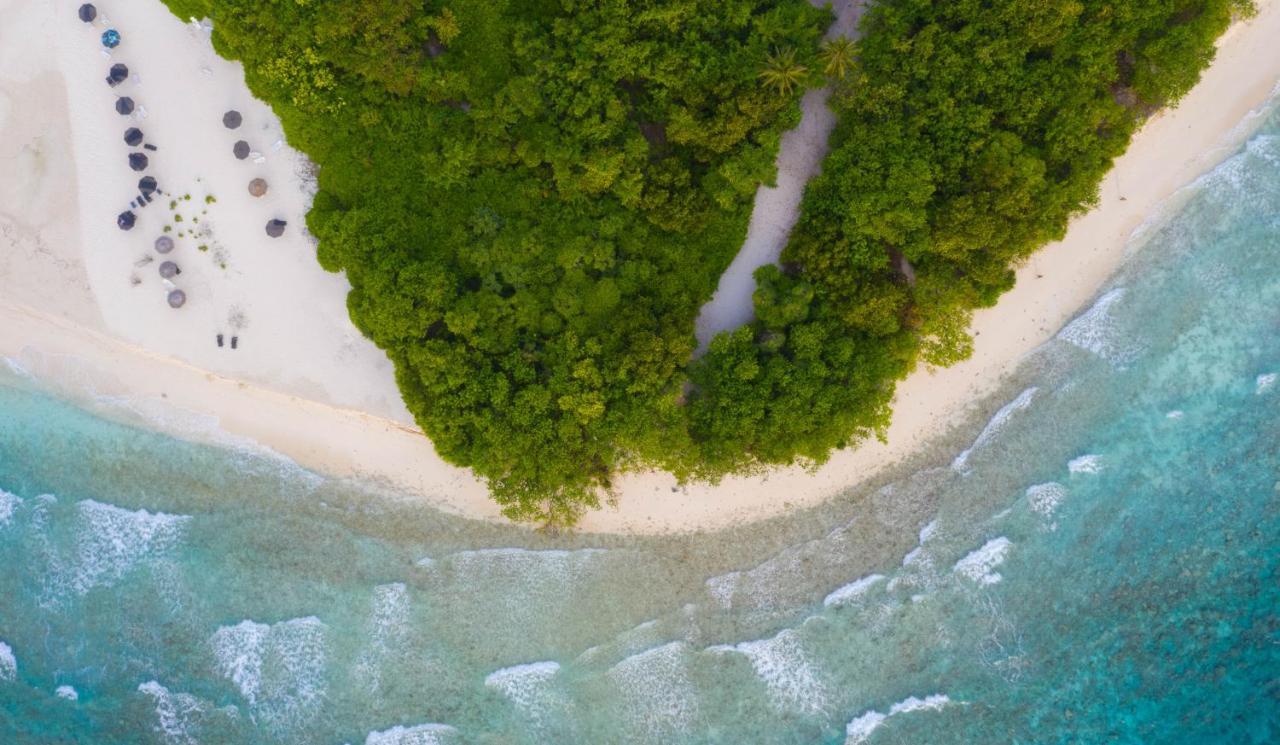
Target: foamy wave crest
x,y
278,669
979,565
787,672
66,693
657,697
1090,464
994,428
8,663
8,503
787,577
421,734
852,591
1264,383
859,730
1043,499
179,716
527,686
388,631
1096,331
110,541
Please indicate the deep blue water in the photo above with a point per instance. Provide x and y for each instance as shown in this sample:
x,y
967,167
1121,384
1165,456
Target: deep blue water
x,y
1096,559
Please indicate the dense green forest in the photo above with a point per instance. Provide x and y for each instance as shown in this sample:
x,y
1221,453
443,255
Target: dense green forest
x,y
532,199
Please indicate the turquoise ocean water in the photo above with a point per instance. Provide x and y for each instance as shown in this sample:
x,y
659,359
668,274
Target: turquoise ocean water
x,y
1095,560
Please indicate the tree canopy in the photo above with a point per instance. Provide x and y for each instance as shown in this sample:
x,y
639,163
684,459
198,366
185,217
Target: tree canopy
x,y
533,199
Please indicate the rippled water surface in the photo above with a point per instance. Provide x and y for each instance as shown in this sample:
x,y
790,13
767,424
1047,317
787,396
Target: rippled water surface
x,y
1094,560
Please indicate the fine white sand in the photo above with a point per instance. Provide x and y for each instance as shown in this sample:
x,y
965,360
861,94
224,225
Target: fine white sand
x,y
304,383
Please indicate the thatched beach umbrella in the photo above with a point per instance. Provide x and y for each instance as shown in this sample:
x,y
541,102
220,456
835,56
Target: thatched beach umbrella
x,y
124,106
147,185
87,13
138,161
110,38
240,149
231,119
177,299
133,137
169,270
258,187
125,220
117,74
164,244
275,228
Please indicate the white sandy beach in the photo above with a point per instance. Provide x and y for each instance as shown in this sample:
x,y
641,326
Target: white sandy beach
x,y
303,382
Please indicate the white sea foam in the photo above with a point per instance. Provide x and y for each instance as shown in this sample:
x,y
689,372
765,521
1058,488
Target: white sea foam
x,y
66,693
8,503
110,541
978,566
994,427
787,577
526,686
851,591
1095,331
8,663
180,715
1043,499
421,734
858,730
278,668
787,671
1264,383
1090,464
927,531
657,697
388,631
1174,414
174,712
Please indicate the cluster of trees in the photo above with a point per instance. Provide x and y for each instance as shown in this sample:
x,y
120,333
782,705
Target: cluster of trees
x,y
533,198
969,132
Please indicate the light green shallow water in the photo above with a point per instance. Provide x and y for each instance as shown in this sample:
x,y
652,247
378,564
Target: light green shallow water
x,y
1095,561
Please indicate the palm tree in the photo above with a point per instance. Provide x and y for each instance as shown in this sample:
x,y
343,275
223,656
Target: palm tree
x,y
837,57
781,71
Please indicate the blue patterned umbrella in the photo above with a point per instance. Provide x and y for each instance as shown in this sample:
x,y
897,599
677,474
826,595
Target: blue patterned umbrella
x,y
110,38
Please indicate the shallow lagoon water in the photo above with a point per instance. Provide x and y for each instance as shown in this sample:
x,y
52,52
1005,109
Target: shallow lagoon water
x,y
1095,559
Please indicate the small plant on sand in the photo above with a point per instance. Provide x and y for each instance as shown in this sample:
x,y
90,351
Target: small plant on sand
x,y
202,247
210,199
177,218
167,228
173,204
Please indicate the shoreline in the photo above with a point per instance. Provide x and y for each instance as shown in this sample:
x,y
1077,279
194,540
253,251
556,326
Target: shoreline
x,y
79,361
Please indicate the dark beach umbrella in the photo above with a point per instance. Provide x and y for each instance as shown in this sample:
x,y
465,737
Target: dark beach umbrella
x,y
147,184
124,106
132,136
240,149
138,161
258,187
110,38
88,13
125,220
177,299
164,244
118,74
169,270
231,119
275,228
